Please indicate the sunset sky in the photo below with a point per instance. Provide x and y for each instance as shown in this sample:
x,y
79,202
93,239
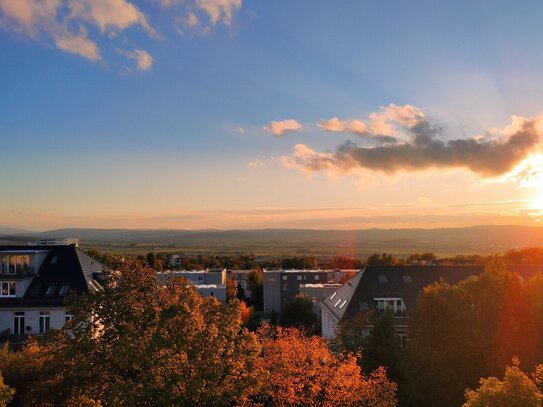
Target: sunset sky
x,y
196,114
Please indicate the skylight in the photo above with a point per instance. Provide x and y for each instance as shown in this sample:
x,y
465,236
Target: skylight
x,y
337,303
407,279
51,289
382,279
64,289
343,304
333,295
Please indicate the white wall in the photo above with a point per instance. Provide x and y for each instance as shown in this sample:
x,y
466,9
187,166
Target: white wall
x,y
57,316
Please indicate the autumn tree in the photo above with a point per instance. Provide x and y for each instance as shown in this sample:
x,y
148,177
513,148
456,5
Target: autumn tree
x,y
6,392
301,370
135,343
299,312
515,390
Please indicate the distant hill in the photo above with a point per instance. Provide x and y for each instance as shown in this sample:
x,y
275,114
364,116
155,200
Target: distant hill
x,y
477,239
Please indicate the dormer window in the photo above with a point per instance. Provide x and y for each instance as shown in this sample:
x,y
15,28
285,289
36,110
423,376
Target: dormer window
x,y
7,289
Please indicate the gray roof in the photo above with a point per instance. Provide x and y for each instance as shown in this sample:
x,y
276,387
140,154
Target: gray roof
x,y
333,303
404,282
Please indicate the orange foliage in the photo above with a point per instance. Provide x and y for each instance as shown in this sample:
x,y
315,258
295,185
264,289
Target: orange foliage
x,y
301,370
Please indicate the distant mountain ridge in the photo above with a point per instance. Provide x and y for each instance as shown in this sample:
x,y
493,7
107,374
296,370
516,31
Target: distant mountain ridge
x,y
475,239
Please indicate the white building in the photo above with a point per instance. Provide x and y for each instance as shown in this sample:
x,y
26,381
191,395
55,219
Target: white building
x,y
209,283
34,281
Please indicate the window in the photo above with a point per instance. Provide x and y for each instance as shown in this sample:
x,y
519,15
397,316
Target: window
x,y
45,321
407,279
317,278
68,317
299,278
343,304
54,260
285,286
51,289
284,277
337,303
4,264
200,278
211,294
18,323
382,279
64,289
7,289
363,306
395,305
333,295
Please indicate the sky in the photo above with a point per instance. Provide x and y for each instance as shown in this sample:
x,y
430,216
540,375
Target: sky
x,y
194,114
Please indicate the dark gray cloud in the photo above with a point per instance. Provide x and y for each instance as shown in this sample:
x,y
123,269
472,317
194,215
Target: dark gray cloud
x,y
426,150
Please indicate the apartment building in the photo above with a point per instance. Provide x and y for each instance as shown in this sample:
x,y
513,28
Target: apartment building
x,y
209,283
34,281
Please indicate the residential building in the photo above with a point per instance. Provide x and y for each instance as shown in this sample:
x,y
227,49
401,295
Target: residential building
x,y
381,288
209,283
280,286
34,282
55,241
240,278
318,292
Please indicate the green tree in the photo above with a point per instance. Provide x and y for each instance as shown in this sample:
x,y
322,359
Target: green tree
x,y
463,332
382,347
300,313
351,335
515,390
150,258
255,285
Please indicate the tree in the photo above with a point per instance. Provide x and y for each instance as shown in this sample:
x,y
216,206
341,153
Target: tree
x,y
300,313
255,285
382,347
351,335
150,258
516,389
6,392
240,292
149,345
383,260
301,370
230,289
463,332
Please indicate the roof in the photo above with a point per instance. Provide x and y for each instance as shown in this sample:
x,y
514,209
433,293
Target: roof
x,y
297,271
65,269
333,302
405,282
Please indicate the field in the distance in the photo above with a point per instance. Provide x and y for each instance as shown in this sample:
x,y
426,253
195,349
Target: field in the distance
x,y
277,242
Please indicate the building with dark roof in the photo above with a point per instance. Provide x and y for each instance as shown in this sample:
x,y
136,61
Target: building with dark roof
x,y
381,288
34,282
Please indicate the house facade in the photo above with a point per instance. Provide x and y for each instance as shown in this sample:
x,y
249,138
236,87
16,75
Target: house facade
x,y
280,286
209,283
34,282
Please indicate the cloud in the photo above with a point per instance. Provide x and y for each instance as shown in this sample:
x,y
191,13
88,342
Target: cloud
x,y
144,60
79,44
219,10
28,15
256,164
425,150
279,128
357,127
109,15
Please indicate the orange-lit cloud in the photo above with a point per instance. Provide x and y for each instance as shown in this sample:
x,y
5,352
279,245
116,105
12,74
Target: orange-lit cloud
x,y
279,128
